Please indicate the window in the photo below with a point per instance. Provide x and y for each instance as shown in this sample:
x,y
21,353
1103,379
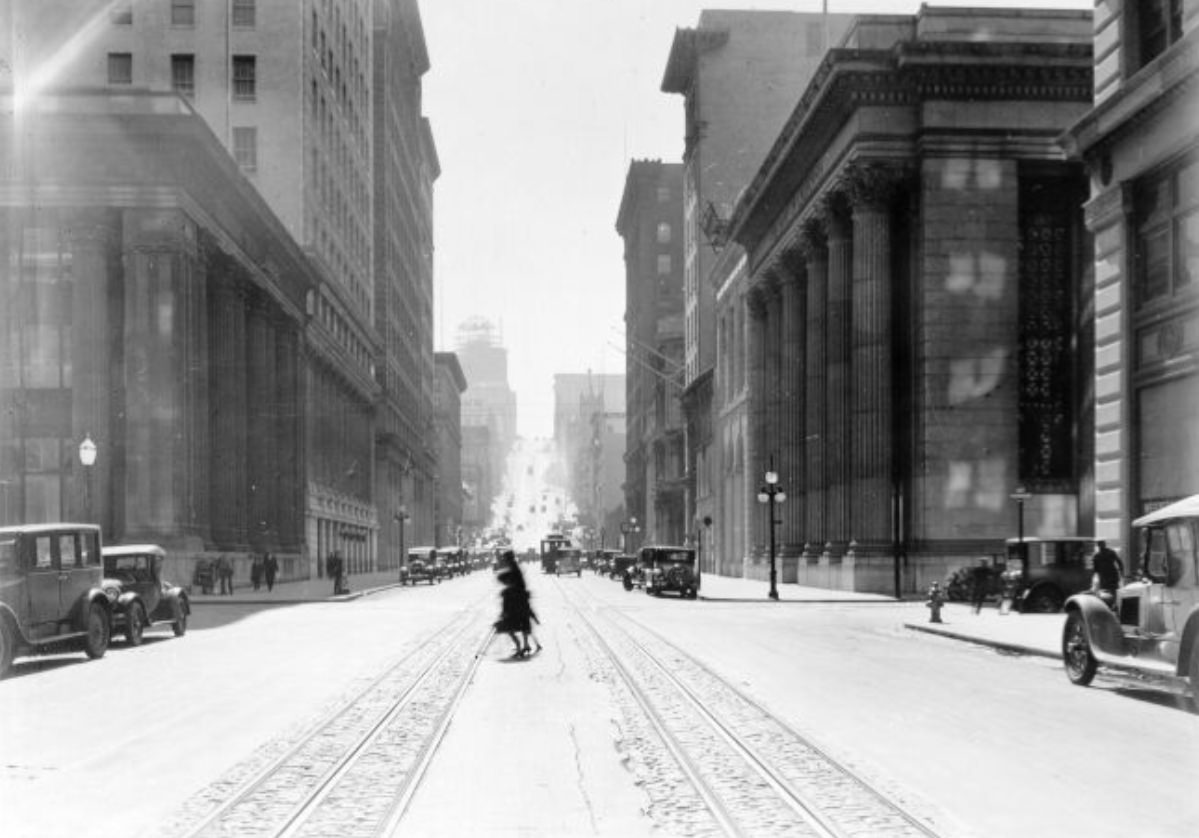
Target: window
x,y
121,13
244,13
183,12
664,263
245,148
183,75
1166,210
663,194
120,68
1159,24
245,71
663,233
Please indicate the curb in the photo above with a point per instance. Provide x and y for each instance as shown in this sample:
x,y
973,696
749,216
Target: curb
x,y
1017,648
703,598
350,597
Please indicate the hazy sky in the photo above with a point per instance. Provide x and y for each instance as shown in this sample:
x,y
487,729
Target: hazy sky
x,y
537,107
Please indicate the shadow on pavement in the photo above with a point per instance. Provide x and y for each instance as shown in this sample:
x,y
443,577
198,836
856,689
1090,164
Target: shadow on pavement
x,y
203,618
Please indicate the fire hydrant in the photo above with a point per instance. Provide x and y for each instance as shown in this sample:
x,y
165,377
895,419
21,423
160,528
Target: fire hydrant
x,y
936,599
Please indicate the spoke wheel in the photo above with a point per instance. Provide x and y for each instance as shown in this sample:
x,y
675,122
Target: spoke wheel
x,y
1076,651
180,625
95,641
135,625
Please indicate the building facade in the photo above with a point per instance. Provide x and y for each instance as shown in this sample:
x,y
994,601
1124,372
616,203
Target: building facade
x,y
917,301
447,404
740,74
490,404
589,444
650,223
1140,144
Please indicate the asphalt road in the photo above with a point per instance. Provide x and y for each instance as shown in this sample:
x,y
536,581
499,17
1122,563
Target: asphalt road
x,y
977,742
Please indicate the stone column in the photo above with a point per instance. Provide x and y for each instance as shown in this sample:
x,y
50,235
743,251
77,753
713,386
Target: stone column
x,y
871,190
755,442
772,288
815,401
837,392
291,446
91,239
227,347
261,485
791,414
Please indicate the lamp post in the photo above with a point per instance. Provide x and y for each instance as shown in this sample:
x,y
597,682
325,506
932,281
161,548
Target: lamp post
x,y
401,517
87,458
629,526
1020,496
772,494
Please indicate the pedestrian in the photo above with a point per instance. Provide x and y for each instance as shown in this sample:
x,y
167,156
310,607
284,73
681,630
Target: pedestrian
x,y
982,585
1109,572
516,611
336,569
224,572
203,576
271,569
256,568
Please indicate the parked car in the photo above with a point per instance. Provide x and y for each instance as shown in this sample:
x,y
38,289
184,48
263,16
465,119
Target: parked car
x,y
1151,625
51,596
621,567
452,561
1050,571
959,586
421,567
138,594
569,561
666,568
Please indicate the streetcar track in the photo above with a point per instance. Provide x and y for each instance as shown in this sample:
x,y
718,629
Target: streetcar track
x,y
291,773
865,809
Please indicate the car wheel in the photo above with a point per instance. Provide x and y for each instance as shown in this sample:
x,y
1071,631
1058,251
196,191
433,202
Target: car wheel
x,y
95,641
628,584
1043,600
1076,651
8,647
1193,677
135,625
180,625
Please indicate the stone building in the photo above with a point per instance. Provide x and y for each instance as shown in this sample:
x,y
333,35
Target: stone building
x,y
447,403
589,442
1140,144
490,404
154,303
918,305
650,222
740,74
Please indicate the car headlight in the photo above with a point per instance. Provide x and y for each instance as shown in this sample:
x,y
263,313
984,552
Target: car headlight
x,y
113,593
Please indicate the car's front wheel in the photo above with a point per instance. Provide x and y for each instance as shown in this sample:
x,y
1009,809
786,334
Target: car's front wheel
x,y
135,625
180,625
1043,600
95,640
1076,651
8,647
1193,677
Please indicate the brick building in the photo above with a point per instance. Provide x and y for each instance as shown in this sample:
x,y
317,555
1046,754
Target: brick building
x,y
917,299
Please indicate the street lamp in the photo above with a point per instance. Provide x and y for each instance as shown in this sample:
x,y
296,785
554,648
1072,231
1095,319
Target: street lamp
x,y
629,526
401,517
87,458
1020,496
772,494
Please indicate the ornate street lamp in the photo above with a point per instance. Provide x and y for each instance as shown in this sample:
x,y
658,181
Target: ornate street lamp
x,y
772,494
629,526
1020,496
401,517
87,458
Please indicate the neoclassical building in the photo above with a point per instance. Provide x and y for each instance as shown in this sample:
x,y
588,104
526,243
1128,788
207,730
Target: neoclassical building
x,y
918,301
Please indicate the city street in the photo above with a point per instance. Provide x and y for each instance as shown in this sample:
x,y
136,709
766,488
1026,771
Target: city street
x,y
881,729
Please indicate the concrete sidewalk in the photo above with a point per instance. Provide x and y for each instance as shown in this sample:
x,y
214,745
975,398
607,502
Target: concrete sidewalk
x,y
1025,634
301,590
732,589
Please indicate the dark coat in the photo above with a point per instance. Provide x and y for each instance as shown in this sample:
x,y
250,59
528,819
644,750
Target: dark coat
x,y
516,613
271,568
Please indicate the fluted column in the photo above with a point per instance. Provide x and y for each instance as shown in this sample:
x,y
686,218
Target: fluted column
x,y
772,288
838,304
227,350
791,414
260,399
92,235
815,400
755,442
871,190
291,446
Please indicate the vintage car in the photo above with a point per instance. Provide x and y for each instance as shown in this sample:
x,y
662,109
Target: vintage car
x,y
665,568
51,596
421,567
1042,573
1152,625
452,561
621,567
569,561
138,594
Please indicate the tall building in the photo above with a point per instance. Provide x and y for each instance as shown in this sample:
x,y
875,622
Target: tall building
x,y
650,222
917,308
1140,143
740,74
295,93
447,402
489,403
589,440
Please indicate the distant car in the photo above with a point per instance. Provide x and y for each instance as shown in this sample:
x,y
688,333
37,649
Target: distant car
x,y
1151,626
621,566
138,594
51,596
421,567
569,561
665,568
1056,569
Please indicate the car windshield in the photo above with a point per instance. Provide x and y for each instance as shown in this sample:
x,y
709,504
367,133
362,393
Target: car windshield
x,y
674,557
8,555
